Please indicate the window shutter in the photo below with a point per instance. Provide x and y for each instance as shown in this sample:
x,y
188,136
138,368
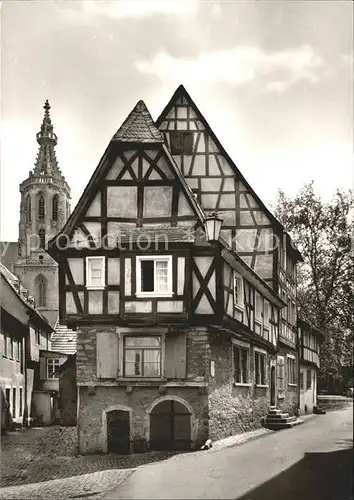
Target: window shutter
x,y
107,354
43,368
175,355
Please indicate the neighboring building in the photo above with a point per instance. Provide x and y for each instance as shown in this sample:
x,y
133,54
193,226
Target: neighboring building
x,y
177,328
310,340
22,328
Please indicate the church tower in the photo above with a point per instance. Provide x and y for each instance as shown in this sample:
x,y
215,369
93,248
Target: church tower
x,y
45,207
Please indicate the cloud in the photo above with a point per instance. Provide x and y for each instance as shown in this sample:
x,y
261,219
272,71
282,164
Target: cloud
x,y
88,10
237,66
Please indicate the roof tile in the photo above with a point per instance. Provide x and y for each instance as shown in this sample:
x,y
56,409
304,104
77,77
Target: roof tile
x,y
138,127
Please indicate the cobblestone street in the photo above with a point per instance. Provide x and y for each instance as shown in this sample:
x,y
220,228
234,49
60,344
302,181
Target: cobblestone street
x,y
48,453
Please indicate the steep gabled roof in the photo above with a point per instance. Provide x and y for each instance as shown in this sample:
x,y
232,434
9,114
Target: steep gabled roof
x,y
138,127
137,124
181,92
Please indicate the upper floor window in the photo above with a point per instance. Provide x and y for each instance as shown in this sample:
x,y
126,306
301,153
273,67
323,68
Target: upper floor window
x,y
241,364
41,234
28,208
52,367
238,290
142,356
260,367
41,208
154,275
55,203
259,306
95,272
181,142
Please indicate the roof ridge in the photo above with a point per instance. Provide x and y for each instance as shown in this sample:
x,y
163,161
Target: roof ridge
x,y
138,126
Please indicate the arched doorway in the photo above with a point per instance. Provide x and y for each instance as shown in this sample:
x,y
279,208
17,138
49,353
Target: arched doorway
x,y
118,431
170,426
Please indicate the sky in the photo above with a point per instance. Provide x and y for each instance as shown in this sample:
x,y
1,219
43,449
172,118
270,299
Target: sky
x,y
273,79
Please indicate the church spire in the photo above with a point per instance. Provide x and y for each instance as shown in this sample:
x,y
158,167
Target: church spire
x,y
46,162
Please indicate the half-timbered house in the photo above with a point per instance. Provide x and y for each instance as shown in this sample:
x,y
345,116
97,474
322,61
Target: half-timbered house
x,y
310,341
176,307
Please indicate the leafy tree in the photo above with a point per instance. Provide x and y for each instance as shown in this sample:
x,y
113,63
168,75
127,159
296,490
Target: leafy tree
x,y
322,232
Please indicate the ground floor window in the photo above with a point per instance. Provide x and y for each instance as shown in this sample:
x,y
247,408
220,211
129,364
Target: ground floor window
x,y
308,379
241,364
260,368
280,373
291,370
142,356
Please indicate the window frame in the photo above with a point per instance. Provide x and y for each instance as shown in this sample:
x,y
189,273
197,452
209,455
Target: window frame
x,y
239,304
181,149
54,364
146,348
308,387
291,380
263,354
280,367
55,208
88,277
154,258
41,207
245,347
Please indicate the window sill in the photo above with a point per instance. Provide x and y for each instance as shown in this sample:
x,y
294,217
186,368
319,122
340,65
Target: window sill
x,y
292,385
239,307
281,396
262,386
152,295
95,287
240,384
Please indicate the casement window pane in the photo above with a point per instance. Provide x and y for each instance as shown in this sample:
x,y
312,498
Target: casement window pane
x,y
152,363
175,142
237,367
52,366
161,276
147,275
181,142
143,341
142,357
266,313
187,142
259,305
238,289
95,272
244,365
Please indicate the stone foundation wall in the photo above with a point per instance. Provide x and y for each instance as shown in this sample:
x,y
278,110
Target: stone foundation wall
x,y
233,409
94,401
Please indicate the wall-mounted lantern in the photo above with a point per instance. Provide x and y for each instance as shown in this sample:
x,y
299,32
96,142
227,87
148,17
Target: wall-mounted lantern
x,y
212,225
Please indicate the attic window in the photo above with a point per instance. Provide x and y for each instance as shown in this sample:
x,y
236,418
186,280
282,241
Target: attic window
x,y
181,142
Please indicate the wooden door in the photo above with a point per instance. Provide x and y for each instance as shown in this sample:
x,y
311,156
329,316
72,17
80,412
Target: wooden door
x,y
118,432
170,426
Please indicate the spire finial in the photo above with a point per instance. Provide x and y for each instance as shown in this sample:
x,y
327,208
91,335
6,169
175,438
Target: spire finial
x,y
46,105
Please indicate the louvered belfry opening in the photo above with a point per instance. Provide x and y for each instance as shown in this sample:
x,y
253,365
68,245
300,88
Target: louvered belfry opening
x,y
170,426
